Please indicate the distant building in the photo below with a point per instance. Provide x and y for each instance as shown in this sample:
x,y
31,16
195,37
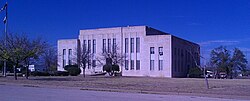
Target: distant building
x,y
149,52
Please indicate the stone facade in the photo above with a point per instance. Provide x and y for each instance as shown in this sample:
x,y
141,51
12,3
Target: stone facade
x,y
149,52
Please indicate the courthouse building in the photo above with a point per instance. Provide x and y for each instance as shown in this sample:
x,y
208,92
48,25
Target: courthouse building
x,y
148,51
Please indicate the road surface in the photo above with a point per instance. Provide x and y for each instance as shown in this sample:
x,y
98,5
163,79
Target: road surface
x,y
24,93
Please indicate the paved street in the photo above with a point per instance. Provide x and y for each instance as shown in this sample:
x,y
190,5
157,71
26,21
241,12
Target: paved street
x,y
21,93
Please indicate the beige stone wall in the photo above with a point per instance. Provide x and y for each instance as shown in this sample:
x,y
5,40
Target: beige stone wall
x,y
149,37
67,44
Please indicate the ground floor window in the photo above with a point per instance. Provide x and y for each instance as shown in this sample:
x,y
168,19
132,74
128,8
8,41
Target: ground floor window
x,y
160,65
151,64
137,64
94,63
126,64
64,61
132,65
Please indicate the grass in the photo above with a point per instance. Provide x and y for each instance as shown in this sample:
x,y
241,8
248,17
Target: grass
x,y
227,87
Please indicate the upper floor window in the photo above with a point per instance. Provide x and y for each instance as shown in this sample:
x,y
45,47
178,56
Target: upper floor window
x,y
64,51
109,45
160,51
132,45
84,45
137,45
152,50
104,45
70,52
94,46
114,45
89,45
126,45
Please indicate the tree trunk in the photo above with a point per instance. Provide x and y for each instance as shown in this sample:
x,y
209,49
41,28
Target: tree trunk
x,y
84,73
15,74
27,72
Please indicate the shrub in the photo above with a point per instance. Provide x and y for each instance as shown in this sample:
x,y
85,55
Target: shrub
x,y
195,72
73,70
115,68
110,68
61,73
37,73
107,68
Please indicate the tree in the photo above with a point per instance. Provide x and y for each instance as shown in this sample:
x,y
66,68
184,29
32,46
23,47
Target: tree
x,y
225,62
20,49
112,60
84,58
50,58
239,60
220,58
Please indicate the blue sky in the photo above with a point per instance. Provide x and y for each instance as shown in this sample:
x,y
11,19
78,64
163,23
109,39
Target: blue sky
x,y
210,23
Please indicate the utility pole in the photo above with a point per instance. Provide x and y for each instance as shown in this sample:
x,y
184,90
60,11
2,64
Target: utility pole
x,y
5,31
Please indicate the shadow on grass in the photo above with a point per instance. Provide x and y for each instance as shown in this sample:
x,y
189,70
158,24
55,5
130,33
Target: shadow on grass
x,y
52,79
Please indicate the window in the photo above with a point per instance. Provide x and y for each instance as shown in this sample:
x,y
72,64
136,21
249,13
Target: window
x,y
64,54
160,51
109,45
160,65
84,46
94,46
69,56
182,54
132,45
94,63
103,45
152,50
126,64
175,65
114,45
179,52
178,66
89,65
137,64
126,45
64,63
175,51
151,64
89,45
132,65
64,51
137,45
70,52
70,62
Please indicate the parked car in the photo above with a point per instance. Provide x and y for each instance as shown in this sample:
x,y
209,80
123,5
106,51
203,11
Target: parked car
x,y
222,75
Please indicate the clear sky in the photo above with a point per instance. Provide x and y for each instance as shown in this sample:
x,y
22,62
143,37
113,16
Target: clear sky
x,y
210,23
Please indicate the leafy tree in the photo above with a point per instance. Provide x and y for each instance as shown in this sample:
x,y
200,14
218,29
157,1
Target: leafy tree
x,y
239,60
20,49
225,62
220,58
